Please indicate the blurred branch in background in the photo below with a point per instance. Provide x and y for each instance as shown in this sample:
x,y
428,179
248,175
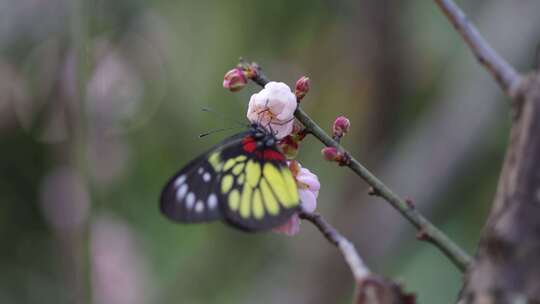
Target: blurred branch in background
x,y
501,70
454,132
370,288
351,256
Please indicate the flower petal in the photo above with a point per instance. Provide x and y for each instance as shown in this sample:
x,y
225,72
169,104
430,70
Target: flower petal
x,y
275,104
291,227
309,200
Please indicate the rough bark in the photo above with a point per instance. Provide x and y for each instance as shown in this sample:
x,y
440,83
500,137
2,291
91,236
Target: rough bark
x,y
507,264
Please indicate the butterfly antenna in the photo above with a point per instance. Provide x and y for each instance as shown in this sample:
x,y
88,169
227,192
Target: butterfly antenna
x,y
224,117
218,130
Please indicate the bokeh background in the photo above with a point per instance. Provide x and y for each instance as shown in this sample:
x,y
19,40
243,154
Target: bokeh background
x,y
100,103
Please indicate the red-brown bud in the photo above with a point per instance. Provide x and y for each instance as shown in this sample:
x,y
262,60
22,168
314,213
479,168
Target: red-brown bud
x,y
341,126
289,145
234,80
331,154
302,87
335,155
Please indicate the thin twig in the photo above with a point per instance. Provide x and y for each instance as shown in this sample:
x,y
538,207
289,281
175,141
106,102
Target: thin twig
x,y
505,74
357,266
426,230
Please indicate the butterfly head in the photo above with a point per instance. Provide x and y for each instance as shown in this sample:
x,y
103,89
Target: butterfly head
x,y
263,137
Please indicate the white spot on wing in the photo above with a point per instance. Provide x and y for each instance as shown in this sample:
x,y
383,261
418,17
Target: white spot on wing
x,y
206,177
200,171
180,180
181,192
190,200
199,207
212,201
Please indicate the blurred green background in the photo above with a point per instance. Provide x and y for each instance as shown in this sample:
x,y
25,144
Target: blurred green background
x,y
100,103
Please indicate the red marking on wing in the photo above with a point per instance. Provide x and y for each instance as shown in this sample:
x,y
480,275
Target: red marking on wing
x,y
271,155
249,144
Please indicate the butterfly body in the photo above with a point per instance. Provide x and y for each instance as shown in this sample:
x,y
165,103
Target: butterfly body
x,y
243,180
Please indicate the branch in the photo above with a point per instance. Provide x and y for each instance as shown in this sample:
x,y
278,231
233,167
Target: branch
x,y
500,69
370,288
426,230
357,266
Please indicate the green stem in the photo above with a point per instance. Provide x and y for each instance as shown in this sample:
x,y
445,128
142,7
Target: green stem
x,y
426,230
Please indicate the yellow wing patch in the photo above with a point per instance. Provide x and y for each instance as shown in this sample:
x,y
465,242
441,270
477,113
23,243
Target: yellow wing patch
x,y
291,187
256,190
238,168
245,204
280,186
234,200
253,173
215,161
229,164
240,158
258,209
226,183
270,201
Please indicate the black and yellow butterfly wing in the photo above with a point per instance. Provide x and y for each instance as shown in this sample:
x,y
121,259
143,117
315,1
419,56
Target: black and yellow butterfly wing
x,y
190,196
247,185
257,193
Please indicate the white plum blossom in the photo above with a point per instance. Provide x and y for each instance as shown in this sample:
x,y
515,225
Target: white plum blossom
x,y
273,107
308,189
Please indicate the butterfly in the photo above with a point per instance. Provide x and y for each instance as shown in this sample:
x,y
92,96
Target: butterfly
x,y
244,181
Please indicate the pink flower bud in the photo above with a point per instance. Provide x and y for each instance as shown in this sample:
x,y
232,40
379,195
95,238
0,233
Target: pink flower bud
x,y
302,87
341,126
234,80
334,155
331,154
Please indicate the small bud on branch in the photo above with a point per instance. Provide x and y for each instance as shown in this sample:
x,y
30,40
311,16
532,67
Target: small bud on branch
x,y
373,192
234,80
340,127
302,87
290,144
335,155
410,203
330,153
